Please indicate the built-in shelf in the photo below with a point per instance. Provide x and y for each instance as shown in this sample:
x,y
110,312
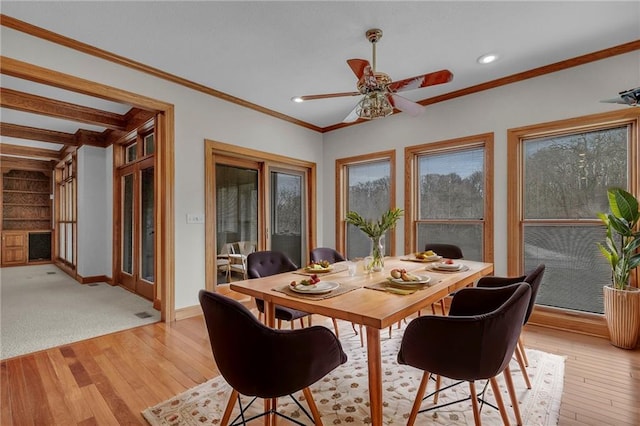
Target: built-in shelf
x,y
26,217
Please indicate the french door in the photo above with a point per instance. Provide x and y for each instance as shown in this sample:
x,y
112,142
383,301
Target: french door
x,y
259,207
136,222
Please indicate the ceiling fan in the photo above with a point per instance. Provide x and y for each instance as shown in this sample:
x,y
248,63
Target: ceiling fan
x,y
629,97
378,90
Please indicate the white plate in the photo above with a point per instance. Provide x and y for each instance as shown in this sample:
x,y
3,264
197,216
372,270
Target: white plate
x,y
448,266
424,279
318,288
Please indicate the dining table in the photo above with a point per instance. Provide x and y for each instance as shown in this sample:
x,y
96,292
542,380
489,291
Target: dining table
x,y
371,299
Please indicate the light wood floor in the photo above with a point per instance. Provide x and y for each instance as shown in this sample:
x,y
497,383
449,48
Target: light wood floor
x,y
109,380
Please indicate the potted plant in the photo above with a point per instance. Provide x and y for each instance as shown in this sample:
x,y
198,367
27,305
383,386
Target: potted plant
x,y
622,301
375,231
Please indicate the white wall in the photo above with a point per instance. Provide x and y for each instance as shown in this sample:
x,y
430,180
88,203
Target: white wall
x,y
570,93
197,116
94,209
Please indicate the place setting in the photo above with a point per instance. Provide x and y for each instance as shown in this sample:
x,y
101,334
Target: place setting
x,y
314,288
403,283
447,266
423,257
322,267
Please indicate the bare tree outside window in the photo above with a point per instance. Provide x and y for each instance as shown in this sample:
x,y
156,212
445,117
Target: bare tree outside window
x,y
566,179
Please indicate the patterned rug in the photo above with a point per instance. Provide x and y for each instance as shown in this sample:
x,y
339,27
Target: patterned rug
x,y
342,396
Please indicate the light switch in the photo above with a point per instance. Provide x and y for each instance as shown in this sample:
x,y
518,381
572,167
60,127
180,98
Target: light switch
x,y
195,218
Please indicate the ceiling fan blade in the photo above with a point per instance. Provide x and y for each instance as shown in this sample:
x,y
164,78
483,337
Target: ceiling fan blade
x,y
615,101
353,115
358,66
405,105
326,95
438,77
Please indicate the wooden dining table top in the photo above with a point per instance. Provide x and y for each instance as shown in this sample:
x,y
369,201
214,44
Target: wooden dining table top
x,y
374,308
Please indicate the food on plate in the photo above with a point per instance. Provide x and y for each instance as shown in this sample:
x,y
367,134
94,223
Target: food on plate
x,y
397,273
313,280
403,274
323,264
425,254
448,261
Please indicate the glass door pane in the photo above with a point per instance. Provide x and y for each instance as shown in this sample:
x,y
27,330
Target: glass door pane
x,y
147,226
127,224
287,215
236,213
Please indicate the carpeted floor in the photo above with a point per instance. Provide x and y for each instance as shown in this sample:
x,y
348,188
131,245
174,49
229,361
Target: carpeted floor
x,y
42,307
342,396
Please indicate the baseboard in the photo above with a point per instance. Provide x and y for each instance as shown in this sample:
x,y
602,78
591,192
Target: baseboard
x,y
195,310
93,279
188,312
576,322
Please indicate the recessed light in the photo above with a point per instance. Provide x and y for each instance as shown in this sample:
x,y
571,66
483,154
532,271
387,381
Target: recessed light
x,y
487,59
297,99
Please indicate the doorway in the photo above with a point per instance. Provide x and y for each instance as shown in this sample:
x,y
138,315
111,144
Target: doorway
x,y
255,201
135,196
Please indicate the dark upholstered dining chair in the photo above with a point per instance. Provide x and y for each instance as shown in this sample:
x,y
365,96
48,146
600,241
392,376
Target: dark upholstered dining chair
x,y
261,362
481,332
267,263
447,251
534,279
326,253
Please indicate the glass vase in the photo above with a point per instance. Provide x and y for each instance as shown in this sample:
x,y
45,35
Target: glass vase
x,y
377,254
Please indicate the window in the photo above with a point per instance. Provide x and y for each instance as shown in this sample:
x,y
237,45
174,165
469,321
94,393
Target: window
x,y
560,174
449,199
368,187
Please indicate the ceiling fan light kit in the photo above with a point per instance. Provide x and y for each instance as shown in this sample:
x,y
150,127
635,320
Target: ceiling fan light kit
x,y
379,98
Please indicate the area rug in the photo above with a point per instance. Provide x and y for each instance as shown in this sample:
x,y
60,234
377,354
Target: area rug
x,y
342,396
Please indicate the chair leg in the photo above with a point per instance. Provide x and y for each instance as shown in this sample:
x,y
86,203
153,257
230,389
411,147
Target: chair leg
x,y
301,323
498,395
389,332
335,327
353,325
361,337
230,404
523,368
433,308
317,420
524,353
512,394
437,392
474,403
443,307
310,320
279,324
419,395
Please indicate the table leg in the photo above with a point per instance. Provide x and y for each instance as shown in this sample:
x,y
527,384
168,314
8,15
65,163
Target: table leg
x,y
269,314
270,320
374,361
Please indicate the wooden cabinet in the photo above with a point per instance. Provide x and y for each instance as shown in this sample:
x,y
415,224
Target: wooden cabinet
x,y
26,213
14,248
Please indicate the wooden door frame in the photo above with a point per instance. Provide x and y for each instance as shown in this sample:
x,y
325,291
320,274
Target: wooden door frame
x,y
134,169
164,167
213,149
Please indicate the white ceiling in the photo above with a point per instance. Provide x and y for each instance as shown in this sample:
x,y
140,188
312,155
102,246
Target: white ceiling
x,y
267,52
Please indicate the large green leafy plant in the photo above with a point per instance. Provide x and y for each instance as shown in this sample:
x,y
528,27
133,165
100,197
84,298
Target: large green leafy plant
x,y
622,238
375,229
